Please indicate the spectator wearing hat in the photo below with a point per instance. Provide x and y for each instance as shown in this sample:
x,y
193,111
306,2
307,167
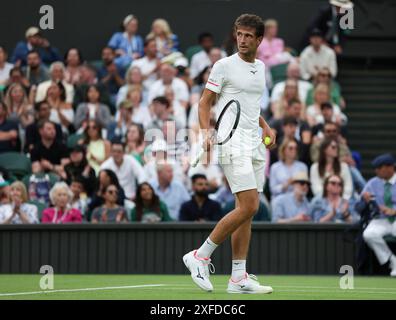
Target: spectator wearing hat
x,y
128,45
331,206
293,206
379,198
200,208
317,56
34,40
5,67
18,211
327,20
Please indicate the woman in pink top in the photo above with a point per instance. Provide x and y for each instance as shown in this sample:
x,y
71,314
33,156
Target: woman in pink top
x,y
61,196
271,48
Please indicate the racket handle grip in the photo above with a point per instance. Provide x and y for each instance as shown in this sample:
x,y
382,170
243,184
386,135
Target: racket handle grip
x,y
197,158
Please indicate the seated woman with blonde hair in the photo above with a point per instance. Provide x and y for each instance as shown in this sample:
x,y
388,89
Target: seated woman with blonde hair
x,y
62,212
18,211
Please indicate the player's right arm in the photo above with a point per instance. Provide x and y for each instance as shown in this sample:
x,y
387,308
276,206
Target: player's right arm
x,y
206,102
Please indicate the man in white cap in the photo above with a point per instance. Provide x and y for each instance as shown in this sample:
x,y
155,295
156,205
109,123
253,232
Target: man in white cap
x,y
34,40
327,21
293,206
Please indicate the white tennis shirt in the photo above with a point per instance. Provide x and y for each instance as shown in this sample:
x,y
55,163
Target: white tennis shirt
x,y
232,78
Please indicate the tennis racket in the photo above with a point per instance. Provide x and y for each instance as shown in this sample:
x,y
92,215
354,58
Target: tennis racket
x,y
224,129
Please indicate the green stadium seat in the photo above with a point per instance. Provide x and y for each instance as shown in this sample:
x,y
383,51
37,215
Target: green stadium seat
x,y
279,73
17,163
191,51
73,139
40,207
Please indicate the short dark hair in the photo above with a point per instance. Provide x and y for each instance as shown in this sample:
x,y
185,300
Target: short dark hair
x,y
289,120
326,105
34,51
79,53
117,141
197,176
42,124
162,100
250,21
293,101
204,35
147,41
38,105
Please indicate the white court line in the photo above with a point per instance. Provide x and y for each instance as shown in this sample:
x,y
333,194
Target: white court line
x,y
393,290
78,290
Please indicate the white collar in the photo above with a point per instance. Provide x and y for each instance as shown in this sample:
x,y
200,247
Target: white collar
x,y
391,180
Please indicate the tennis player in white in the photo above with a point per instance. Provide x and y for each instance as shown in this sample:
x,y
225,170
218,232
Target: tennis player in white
x,y
240,77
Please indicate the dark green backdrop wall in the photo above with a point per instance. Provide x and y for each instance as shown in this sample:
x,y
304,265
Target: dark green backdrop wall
x,y
88,24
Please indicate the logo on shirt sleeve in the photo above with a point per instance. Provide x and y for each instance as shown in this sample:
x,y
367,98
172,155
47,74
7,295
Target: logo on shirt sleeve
x,y
213,82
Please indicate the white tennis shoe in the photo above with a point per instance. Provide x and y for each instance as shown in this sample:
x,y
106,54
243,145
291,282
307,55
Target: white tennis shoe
x,y
200,270
249,285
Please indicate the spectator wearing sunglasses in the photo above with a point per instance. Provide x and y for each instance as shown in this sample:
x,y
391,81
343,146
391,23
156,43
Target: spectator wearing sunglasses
x,y
332,207
293,206
110,211
324,76
329,164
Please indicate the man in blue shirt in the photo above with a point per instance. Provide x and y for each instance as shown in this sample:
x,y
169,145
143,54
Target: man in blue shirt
x,y
293,206
34,40
200,208
171,192
381,190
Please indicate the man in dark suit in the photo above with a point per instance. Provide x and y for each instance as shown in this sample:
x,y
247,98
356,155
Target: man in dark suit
x,y
327,20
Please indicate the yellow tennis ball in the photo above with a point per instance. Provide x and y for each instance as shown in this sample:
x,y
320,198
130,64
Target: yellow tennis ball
x,y
267,141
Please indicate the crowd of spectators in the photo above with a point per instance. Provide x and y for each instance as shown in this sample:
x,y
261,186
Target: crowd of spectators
x,y
108,141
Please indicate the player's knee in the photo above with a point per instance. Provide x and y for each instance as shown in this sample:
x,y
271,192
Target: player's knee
x,y
370,235
251,208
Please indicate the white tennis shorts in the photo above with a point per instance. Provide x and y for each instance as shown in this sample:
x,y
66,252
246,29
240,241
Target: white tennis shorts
x,y
247,171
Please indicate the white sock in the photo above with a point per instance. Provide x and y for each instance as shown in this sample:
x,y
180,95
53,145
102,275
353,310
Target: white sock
x,y
238,270
206,250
